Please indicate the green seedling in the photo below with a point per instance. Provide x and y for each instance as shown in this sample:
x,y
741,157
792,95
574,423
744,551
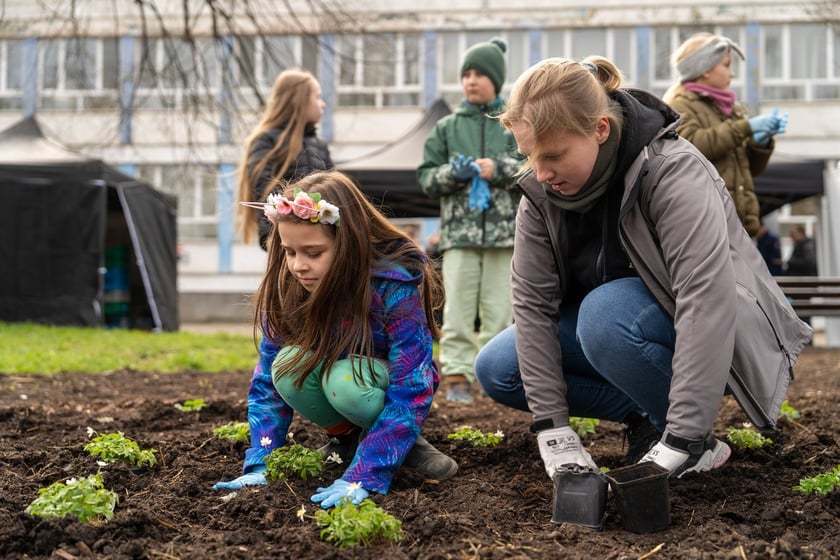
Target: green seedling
x,y
583,426
477,438
789,412
822,484
193,405
295,460
115,448
233,431
86,498
348,525
747,438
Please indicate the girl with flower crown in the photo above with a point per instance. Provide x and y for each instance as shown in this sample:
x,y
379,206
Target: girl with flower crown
x,y
350,300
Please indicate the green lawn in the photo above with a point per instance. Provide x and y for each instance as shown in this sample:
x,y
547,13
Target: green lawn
x,y
37,349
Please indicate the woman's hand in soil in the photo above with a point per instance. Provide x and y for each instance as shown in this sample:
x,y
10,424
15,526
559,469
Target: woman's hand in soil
x,y
332,494
254,478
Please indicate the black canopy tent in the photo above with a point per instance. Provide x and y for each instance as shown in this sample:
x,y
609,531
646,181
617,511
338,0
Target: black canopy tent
x,y
61,214
788,179
388,176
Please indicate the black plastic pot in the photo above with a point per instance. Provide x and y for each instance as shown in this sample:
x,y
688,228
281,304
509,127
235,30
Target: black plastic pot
x,y
641,492
580,496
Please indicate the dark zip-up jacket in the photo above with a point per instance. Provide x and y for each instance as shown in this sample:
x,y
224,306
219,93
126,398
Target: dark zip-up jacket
x,y
314,156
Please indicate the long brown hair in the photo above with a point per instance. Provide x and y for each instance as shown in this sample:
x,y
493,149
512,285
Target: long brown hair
x,y
336,317
286,108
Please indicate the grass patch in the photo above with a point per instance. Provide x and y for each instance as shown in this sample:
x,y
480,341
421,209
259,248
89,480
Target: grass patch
x,y
42,349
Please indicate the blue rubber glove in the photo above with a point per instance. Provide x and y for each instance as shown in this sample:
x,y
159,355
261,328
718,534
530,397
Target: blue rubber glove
x,y
783,122
464,167
254,478
479,194
763,126
332,494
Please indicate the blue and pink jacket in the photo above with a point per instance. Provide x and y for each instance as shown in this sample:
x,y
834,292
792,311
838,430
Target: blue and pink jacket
x,y
405,341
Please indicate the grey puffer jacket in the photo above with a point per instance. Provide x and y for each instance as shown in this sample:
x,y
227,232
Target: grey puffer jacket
x,y
678,225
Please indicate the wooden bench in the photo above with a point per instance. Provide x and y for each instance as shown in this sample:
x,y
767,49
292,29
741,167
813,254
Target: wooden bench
x,y
812,295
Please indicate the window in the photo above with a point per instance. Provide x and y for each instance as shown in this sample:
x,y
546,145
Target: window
x,y
195,185
78,73
378,69
800,62
176,73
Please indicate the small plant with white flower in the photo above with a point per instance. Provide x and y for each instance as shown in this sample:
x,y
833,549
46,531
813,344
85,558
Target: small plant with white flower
x,y
85,498
116,448
477,438
233,431
192,405
747,437
583,426
294,460
348,525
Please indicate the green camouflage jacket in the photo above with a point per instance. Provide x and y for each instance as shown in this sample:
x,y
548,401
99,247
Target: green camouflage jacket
x,y
470,131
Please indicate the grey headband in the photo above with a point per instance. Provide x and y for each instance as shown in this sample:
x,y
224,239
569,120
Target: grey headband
x,y
705,58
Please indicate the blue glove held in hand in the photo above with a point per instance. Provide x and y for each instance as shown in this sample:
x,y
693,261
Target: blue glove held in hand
x,y
254,478
464,167
479,194
783,122
335,492
763,126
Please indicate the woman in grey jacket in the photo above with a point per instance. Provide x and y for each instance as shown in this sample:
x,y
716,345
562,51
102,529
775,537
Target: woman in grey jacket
x,y
636,292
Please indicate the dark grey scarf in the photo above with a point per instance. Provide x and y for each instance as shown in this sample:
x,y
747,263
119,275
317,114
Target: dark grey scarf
x,y
597,183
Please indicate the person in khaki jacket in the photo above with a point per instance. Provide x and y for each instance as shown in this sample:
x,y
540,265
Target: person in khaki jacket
x,y
638,296
738,146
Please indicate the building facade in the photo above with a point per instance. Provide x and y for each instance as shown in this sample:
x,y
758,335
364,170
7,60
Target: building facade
x,y
167,90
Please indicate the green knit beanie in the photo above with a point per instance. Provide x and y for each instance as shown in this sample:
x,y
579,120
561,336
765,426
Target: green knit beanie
x,y
489,59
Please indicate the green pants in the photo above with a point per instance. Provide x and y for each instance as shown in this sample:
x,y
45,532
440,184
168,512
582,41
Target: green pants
x,y
330,400
477,281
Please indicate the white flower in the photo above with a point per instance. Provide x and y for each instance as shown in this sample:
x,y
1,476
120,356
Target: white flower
x,y
301,512
265,441
71,481
23,397
334,458
90,432
327,213
500,433
101,464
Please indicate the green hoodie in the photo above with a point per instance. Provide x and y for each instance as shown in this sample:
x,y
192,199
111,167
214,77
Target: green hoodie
x,y
472,132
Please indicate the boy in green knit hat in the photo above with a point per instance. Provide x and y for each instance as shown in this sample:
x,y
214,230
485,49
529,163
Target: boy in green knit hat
x,y
469,164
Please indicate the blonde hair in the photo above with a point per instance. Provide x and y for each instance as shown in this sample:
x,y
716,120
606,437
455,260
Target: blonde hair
x,y
563,94
287,108
336,318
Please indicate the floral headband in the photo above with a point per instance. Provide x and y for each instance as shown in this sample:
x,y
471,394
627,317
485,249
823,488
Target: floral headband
x,y
306,206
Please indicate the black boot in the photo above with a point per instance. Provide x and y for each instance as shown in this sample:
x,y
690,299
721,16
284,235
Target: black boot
x,y
430,462
344,445
640,436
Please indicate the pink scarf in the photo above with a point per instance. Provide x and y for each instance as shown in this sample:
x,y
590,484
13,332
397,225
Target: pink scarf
x,y
723,98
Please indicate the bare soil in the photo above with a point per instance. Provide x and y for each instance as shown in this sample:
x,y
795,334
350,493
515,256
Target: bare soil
x,y
497,507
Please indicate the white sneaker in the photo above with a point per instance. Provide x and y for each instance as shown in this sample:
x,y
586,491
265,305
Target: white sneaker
x,y
700,456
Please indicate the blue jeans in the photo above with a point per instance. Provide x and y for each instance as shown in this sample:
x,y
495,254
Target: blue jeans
x,y
617,346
